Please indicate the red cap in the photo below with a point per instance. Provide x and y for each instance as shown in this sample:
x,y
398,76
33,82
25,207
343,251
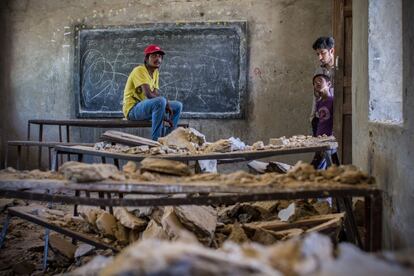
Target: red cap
x,y
152,48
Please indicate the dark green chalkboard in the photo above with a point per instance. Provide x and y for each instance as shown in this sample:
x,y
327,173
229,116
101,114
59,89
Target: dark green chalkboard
x,y
205,67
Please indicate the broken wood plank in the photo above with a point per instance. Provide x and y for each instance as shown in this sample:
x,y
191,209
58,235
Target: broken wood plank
x,y
127,139
201,220
277,225
333,223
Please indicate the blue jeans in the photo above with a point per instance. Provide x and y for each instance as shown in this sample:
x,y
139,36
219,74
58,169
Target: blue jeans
x,y
154,110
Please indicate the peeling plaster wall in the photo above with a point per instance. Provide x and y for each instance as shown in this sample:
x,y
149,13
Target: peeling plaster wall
x,y
39,58
386,150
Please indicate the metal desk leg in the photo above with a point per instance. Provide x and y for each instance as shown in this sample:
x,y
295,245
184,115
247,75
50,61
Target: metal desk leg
x,y
46,250
373,222
60,133
68,138
351,229
80,157
28,131
19,156
55,161
111,209
101,195
4,230
49,149
39,161
103,160
28,139
67,134
60,140
351,218
116,162
75,207
6,156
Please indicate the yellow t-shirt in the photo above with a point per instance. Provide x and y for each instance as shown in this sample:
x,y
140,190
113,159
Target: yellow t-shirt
x,y
133,92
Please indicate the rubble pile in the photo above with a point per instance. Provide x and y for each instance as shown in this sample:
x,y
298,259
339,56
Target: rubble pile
x,y
209,225
82,172
174,172
190,141
312,254
25,174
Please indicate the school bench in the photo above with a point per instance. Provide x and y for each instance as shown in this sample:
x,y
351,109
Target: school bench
x,y
91,123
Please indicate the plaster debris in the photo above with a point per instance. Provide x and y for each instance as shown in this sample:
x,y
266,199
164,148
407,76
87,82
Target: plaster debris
x,y
129,220
287,213
190,141
183,138
222,145
201,220
166,172
259,145
83,250
81,172
165,166
62,246
154,231
173,227
130,167
311,255
106,224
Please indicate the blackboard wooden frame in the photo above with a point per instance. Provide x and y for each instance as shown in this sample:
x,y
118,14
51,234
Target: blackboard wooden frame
x,y
234,31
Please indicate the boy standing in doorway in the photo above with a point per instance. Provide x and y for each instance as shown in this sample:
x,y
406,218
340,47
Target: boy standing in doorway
x,y
324,111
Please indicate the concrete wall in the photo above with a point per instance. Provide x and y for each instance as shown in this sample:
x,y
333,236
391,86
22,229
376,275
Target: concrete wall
x,y
38,54
386,150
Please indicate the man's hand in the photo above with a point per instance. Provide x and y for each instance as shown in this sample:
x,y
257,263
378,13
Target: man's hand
x,y
169,121
148,93
169,111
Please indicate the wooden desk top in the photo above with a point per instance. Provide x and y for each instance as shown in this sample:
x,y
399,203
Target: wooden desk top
x,y
210,192
103,123
246,155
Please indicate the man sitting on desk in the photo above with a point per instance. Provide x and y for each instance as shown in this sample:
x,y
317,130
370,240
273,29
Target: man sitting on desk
x,y
142,100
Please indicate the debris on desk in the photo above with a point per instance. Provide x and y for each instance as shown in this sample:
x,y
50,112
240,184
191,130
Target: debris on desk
x,y
183,138
130,167
190,141
222,145
172,172
82,172
346,174
300,141
165,166
33,174
259,145
62,246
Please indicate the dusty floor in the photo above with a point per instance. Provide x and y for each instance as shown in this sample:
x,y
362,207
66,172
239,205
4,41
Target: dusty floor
x,y
22,252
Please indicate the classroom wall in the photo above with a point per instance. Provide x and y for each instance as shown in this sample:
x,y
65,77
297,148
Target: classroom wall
x,y
36,75
385,149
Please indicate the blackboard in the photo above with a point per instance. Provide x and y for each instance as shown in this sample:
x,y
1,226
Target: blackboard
x,y
205,66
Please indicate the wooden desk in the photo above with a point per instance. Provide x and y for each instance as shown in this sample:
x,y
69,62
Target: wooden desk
x,y
91,123
19,144
238,156
208,194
